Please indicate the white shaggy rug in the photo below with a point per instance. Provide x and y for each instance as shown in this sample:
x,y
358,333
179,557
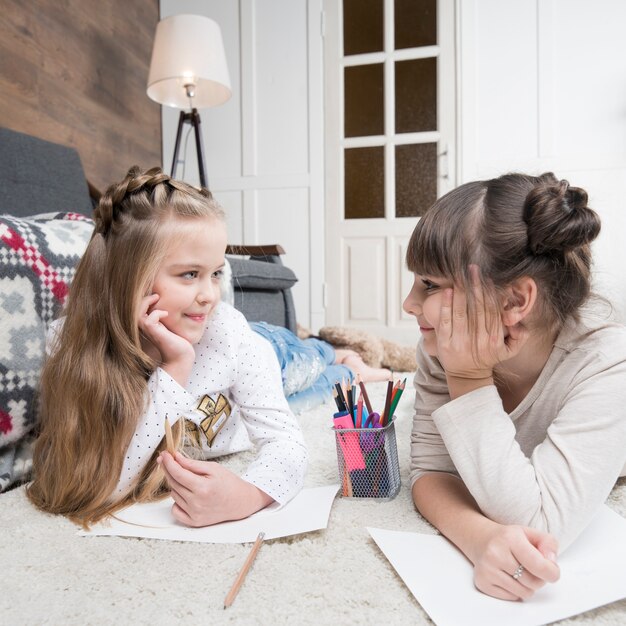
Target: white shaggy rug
x,y
50,575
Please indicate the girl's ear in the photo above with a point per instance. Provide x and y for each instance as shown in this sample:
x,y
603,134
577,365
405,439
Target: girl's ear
x,y
519,300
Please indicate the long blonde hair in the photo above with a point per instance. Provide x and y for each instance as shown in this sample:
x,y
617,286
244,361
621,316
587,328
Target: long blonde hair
x,y
93,385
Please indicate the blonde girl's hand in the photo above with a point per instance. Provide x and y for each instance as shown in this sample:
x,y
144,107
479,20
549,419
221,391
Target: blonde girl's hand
x,y
470,354
175,353
515,562
206,493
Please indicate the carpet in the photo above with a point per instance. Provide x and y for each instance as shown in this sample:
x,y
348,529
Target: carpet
x,y
333,576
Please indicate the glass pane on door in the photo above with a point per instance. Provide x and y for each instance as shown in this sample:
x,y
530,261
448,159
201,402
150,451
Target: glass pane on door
x,y
416,95
416,178
362,26
415,23
364,182
364,112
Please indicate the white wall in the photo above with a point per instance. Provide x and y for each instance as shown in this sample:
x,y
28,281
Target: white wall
x,y
543,88
541,83
264,146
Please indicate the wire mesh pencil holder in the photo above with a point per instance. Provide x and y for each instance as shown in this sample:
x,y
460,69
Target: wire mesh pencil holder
x,y
367,460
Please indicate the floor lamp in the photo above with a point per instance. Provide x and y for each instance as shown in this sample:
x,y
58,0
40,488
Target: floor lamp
x,y
188,70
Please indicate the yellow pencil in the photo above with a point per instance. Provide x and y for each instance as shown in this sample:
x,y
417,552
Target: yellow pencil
x,y
234,590
169,438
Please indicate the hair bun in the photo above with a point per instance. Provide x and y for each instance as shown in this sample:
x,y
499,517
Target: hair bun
x,y
557,217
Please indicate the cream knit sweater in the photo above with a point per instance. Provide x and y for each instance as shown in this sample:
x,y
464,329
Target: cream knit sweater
x,y
552,462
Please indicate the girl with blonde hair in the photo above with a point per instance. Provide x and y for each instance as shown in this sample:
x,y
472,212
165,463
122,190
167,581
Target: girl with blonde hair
x,y
146,339
519,431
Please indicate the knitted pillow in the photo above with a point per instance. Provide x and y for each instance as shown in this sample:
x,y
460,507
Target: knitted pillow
x,y
38,256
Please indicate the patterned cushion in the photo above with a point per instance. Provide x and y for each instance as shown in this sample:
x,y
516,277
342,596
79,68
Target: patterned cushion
x,y
37,260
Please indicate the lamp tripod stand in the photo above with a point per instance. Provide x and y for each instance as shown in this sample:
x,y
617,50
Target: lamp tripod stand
x,y
192,118
187,70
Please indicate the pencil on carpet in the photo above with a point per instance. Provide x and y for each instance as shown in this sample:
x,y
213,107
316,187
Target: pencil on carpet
x,y
234,590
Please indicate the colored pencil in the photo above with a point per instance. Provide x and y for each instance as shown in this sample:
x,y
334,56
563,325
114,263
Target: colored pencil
x,y
396,399
385,416
342,401
365,396
395,389
337,400
359,411
234,590
350,402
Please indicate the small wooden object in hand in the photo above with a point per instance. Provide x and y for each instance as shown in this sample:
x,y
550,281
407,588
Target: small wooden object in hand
x,y
169,438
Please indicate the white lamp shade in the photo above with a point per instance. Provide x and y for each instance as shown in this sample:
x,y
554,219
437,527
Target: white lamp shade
x,y
188,49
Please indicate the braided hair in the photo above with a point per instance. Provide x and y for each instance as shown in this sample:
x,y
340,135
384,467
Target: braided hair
x,y
139,194
93,385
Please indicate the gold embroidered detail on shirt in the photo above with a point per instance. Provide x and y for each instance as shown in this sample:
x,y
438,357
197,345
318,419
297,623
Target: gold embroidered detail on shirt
x,y
217,412
192,435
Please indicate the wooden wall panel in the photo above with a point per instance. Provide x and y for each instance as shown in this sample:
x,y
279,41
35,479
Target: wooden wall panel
x,y
75,72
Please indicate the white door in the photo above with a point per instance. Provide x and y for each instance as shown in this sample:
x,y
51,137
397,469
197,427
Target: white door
x,y
390,127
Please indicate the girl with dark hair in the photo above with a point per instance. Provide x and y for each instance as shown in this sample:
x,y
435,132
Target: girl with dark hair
x,y
519,431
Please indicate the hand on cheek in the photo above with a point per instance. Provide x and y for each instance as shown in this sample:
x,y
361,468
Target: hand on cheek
x,y
175,354
465,352
469,350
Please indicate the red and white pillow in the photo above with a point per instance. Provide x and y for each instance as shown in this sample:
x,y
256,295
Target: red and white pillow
x,y
38,256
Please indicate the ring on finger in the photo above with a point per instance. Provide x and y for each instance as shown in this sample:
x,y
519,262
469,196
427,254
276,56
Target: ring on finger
x,y
517,574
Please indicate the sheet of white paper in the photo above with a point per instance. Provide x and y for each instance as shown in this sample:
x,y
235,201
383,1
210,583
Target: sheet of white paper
x,y
308,511
593,573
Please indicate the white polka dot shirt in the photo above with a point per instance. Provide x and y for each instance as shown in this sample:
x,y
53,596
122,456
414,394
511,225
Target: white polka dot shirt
x,y
233,361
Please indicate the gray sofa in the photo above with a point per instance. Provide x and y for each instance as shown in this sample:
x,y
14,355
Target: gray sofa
x,y
38,176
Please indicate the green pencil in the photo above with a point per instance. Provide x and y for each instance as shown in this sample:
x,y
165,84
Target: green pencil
x,y
396,399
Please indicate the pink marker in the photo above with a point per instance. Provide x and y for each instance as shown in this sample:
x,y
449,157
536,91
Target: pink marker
x,y
349,442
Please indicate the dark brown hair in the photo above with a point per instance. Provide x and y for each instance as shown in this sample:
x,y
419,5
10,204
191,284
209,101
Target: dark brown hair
x,y
512,226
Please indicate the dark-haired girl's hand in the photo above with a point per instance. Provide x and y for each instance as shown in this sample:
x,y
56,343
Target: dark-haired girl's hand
x,y
469,352
174,353
206,493
514,562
